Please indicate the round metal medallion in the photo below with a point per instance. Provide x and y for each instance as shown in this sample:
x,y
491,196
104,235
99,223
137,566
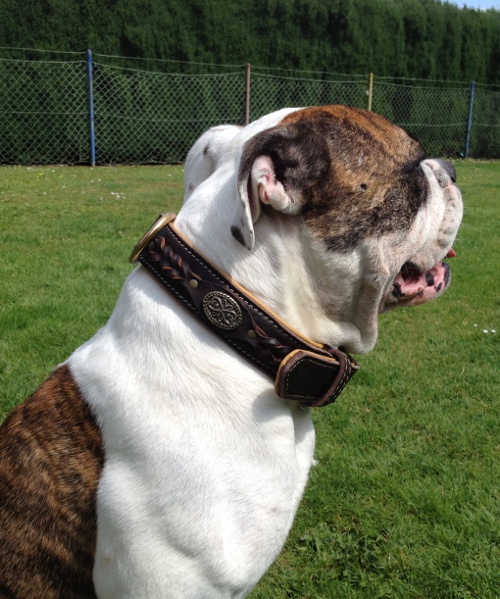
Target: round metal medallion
x,y
222,310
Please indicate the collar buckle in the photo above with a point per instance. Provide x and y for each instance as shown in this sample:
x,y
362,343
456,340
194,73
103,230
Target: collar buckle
x,y
161,221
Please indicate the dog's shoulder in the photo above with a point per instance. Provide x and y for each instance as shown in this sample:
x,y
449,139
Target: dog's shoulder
x,y
51,456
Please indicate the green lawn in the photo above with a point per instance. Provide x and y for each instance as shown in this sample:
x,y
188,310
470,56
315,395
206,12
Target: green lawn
x,y
405,499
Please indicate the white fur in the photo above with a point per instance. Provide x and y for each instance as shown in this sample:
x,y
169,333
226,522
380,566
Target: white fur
x,y
206,154
205,465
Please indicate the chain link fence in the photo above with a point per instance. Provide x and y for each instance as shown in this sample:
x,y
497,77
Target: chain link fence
x,y
148,117
77,111
44,117
271,92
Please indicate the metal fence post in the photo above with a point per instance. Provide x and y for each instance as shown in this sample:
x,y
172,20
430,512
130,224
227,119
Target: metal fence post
x,y
247,95
370,92
91,107
469,120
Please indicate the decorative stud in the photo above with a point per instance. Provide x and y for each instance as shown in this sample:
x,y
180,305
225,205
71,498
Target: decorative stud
x,y
251,334
193,283
222,310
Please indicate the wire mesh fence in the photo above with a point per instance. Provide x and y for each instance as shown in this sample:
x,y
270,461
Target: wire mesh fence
x,y
150,117
75,111
437,117
271,92
43,112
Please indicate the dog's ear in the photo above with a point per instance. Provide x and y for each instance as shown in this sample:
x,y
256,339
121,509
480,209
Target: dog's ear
x,y
278,167
263,186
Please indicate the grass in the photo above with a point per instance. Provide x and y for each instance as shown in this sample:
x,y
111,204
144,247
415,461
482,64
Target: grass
x,y
405,500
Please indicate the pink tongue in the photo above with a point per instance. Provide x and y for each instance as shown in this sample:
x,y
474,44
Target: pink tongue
x,y
451,254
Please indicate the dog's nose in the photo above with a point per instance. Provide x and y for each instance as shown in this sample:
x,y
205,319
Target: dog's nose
x,y
444,172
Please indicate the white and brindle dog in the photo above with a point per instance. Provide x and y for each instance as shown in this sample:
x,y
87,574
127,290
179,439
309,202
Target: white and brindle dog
x,y
157,462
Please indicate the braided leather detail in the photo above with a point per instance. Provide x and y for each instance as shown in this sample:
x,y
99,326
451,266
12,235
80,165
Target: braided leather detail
x,y
173,267
171,264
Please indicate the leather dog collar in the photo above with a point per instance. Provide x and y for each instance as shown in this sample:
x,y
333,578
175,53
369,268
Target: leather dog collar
x,y
311,373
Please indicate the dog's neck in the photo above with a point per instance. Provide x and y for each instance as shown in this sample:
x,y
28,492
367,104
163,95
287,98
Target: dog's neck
x,y
282,270
311,373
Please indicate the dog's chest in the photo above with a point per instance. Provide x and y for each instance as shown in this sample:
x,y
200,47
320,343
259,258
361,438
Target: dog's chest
x,y
213,465
207,491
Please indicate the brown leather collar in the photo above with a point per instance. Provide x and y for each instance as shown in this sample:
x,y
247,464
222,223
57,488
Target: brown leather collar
x,y
308,372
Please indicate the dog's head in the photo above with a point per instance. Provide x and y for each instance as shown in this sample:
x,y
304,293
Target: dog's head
x,y
376,218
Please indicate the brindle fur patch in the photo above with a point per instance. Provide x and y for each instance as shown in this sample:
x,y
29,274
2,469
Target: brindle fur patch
x,y
51,457
343,166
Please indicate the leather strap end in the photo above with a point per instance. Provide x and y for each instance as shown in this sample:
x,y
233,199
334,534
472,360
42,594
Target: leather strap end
x,y
312,379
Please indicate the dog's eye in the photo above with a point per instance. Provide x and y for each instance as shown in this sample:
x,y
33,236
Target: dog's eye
x,y
363,186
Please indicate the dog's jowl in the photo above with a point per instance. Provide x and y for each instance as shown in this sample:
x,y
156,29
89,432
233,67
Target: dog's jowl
x,y
166,458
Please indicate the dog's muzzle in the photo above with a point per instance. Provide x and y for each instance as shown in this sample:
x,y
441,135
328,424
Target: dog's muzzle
x,y
305,371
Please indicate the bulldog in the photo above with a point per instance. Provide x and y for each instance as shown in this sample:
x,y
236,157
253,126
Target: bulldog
x,y
159,461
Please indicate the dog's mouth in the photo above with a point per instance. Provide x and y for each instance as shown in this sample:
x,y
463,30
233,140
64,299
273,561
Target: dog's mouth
x,y
413,286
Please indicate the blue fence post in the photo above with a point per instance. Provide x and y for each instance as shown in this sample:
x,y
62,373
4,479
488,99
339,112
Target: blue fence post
x,y
91,107
469,120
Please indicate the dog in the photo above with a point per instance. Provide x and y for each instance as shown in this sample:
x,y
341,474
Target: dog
x,y
157,461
